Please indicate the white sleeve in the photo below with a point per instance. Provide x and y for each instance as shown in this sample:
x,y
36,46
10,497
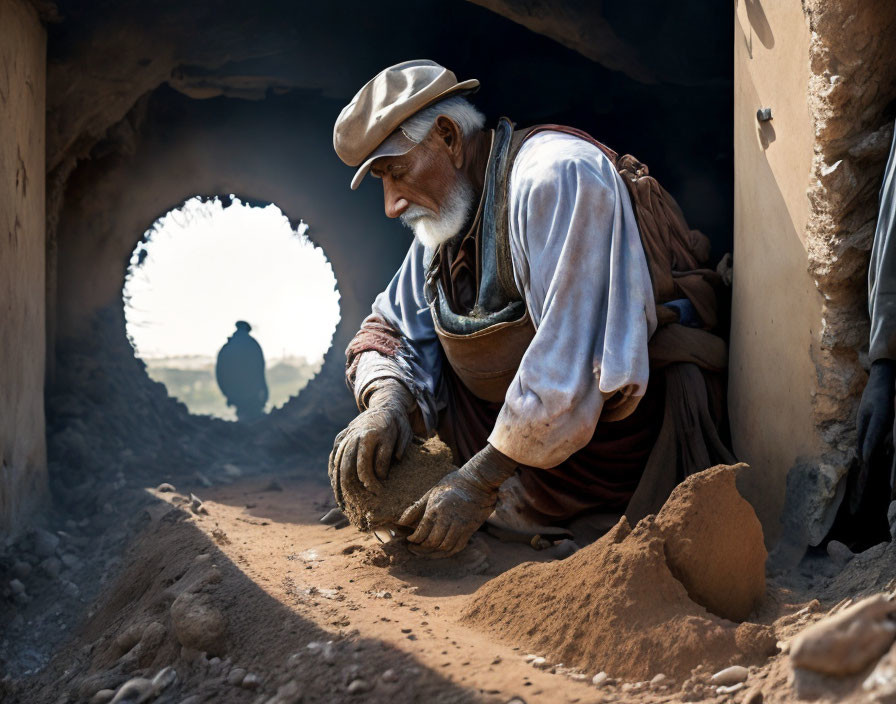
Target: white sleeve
x,y
579,263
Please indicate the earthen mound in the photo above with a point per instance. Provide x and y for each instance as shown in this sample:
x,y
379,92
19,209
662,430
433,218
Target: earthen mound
x,y
419,470
617,606
714,543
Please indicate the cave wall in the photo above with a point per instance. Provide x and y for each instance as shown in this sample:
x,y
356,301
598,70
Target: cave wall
x,y
22,105
805,208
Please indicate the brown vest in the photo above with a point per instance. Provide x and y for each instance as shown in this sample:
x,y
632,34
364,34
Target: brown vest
x,y
480,316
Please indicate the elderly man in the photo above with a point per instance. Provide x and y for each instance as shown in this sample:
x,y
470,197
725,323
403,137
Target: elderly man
x,y
520,323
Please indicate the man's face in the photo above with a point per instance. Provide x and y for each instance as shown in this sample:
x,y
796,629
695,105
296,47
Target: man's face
x,y
426,189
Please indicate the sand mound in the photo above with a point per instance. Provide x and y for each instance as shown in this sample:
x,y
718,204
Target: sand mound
x,y
419,470
617,606
714,544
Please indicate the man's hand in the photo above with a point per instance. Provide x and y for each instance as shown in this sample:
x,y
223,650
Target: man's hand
x,y
449,513
366,447
875,414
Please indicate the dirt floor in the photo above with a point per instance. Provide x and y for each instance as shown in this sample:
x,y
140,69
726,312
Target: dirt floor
x,y
186,562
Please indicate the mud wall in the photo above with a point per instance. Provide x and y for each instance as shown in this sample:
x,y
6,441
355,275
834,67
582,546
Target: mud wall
x,y
22,104
805,209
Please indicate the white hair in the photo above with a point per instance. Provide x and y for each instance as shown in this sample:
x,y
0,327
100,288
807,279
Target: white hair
x,y
458,108
431,228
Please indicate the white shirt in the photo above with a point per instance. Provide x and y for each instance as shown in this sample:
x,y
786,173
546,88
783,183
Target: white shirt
x,y
579,263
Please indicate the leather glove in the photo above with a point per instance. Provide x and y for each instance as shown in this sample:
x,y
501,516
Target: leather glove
x,y
875,414
449,513
369,443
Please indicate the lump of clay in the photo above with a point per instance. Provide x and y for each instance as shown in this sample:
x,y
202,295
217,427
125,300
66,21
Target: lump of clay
x,y
616,605
714,543
846,643
419,470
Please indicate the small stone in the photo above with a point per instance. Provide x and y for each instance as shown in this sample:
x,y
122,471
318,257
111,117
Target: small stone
x,y
891,518
71,589
273,485
103,696
732,689
196,505
659,679
563,549
21,569
165,488
730,676
600,679
231,470
334,517
134,691
51,567
389,675
71,561
16,586
251,681
236,676
839,553
198,623
45,543
289,693
540,663
165,677
358,686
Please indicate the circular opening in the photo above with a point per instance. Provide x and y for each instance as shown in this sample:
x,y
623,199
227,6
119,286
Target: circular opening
x,y
229,306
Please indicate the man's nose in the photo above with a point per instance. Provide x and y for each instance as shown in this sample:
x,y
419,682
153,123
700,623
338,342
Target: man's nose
x,y
395,204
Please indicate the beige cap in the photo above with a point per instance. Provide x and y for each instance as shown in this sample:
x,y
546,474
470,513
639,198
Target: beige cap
x,y
365,127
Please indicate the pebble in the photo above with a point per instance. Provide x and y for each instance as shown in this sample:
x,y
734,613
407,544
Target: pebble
x,y
730,690
600,678
289,693
251,681
165,677
196,505
51,567
390,675
358,686
45,543
133,691
16,586
165,488
540,663
730,676
236,676
839,553
659,679
334,517
103,696
21,569
71,561
71,589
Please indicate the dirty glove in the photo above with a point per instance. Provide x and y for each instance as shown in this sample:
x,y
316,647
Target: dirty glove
x,y
366,447
449,513
875,414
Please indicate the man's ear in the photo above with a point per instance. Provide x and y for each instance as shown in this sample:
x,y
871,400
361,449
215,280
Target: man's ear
x,y
450,137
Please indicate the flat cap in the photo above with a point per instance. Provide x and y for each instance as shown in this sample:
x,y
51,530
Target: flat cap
x,y
387,100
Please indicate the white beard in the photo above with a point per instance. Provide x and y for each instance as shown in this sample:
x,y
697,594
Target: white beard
x,y
431,228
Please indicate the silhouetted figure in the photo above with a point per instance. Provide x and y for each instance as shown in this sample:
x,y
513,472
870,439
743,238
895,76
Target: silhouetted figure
x,y
240,373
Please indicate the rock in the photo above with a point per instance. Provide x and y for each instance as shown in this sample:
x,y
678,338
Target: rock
x,y
251,681
891,519
540,663
334,517
600,679
839,553
51,567
21,569
714,543
730,676
198,623
731,689
848,641
753,696
358,686
73,562
289,693
390,676
71,589
165,677
45,543
235,676
165,488
16,586
135,691
273,485
196,505
103,696
231,470
659,679
563,549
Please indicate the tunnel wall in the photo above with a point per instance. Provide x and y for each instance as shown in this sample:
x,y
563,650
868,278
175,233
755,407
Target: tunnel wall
x,y
22,106
806,188
771,367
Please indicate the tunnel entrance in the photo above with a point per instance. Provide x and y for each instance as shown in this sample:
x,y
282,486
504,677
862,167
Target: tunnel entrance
x,y
216,272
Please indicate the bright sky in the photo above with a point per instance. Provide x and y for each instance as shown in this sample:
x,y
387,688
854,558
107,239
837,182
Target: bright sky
x,y
208,266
